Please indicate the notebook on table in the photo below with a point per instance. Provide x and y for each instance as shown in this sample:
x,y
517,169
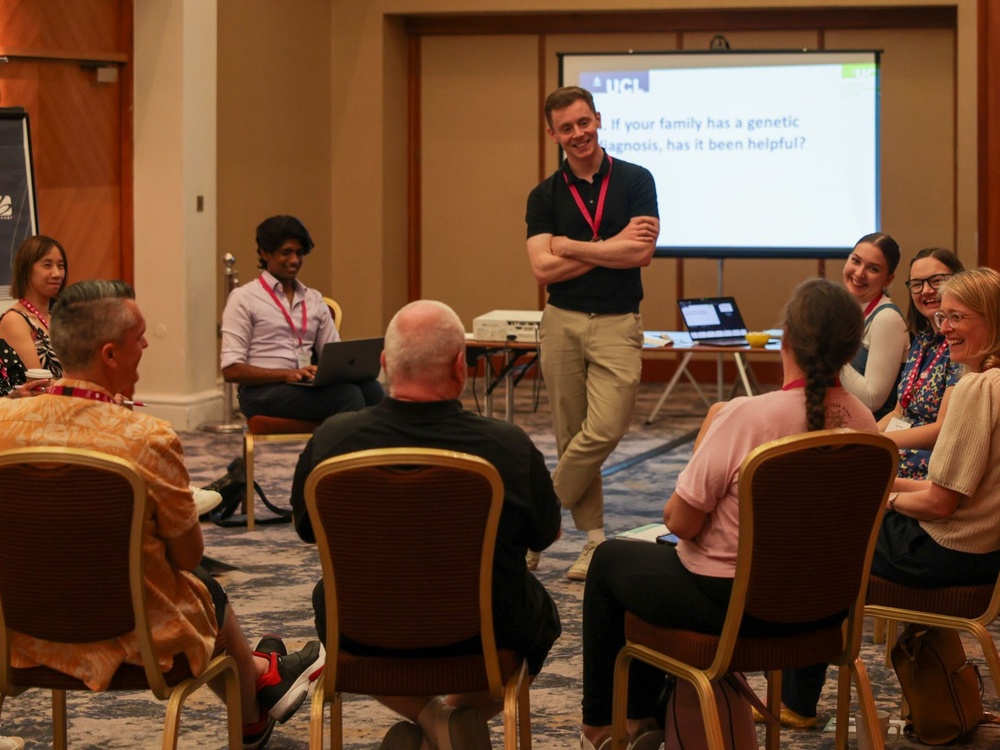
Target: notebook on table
x,y
348,362
713,321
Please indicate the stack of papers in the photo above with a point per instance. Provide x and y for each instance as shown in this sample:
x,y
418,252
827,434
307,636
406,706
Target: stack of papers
x,y
656,340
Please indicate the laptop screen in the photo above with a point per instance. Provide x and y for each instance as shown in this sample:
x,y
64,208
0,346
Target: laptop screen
x,y
712,318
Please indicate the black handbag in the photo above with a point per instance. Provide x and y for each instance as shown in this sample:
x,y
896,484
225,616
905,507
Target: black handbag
x,y
233,486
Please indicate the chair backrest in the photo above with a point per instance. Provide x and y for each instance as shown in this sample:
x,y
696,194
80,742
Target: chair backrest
x,y
71,568
335,311
406,539
810,510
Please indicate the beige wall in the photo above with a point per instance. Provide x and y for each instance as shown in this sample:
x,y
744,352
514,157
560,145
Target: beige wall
x,y
274,125
479,133
175,63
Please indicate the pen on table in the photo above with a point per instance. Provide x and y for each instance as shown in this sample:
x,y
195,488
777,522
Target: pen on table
x,y
126,402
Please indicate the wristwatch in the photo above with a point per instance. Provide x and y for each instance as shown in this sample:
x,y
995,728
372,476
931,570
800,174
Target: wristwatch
x,y
892,500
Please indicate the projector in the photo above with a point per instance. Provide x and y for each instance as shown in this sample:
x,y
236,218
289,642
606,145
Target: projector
x,y
500,325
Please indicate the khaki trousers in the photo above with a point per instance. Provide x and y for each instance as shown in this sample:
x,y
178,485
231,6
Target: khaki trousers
x,y
592,366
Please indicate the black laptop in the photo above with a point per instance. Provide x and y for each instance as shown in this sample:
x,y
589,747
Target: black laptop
x,y
714,321
348,362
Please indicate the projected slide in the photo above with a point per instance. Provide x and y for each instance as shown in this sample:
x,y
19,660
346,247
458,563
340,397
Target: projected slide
x,y
758,154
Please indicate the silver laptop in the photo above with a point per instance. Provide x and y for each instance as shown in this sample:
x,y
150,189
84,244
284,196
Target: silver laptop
x,y
713,321
348,362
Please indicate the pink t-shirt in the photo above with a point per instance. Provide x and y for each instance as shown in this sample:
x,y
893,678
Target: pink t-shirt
x,y
710,480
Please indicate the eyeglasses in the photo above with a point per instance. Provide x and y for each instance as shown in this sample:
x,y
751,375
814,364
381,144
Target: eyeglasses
x,y
954,319
917,285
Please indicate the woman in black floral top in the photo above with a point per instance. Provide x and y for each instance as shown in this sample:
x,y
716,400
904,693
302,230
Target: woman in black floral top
x,y
929,374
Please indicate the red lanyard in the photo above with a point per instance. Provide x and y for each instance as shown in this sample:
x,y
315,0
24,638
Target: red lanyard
x,y
34,311
801,383
284,312
871,306
68,390
913,382
595,222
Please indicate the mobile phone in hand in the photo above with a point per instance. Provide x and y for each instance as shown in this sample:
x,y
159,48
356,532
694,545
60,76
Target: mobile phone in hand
x,y
668,538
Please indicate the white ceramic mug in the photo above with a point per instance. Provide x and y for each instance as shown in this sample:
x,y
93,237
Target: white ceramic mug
x,y
883,729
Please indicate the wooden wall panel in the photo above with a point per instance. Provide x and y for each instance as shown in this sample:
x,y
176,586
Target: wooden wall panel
x,y
61,26
989,136
81,142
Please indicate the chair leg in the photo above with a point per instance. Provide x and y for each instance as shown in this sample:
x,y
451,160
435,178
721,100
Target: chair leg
x,y
248,500
234,707
517,710
510,705
337,723
59,729
316,718
866,704
890,640
619,700
772,734
171,725
524,714
709,712
989,648
878,630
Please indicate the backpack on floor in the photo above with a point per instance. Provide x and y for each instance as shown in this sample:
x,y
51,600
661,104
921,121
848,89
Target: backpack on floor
x,y
685,729
943,690
233,486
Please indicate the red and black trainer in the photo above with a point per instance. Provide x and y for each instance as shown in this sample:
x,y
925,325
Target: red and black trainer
x,y
285,685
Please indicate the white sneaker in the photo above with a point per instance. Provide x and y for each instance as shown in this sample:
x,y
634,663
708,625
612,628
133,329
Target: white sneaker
x,y
531,559
205,501
11,743
578,570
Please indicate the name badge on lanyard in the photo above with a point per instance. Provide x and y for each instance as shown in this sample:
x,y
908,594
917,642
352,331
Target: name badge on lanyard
x,y
305,356
897,423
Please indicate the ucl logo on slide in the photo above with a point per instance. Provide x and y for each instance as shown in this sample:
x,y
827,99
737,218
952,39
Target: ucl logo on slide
x,y
616,82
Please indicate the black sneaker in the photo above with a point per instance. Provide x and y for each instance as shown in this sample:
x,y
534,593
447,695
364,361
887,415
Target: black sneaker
x,y
256,736
283,688
270,644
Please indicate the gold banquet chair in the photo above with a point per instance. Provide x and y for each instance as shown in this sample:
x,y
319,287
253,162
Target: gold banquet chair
x,y
263,429
810,510
71,571
406,539
968,608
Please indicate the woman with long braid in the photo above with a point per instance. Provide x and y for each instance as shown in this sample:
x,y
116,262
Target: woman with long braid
x,y
688,586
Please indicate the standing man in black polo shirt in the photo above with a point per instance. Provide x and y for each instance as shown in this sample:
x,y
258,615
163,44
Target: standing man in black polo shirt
x,y
592,226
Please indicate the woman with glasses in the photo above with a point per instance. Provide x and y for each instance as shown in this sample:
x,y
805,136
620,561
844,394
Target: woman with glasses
x,y
873,373
929,373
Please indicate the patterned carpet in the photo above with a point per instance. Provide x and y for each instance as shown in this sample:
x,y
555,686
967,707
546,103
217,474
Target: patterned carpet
x,y
270,591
